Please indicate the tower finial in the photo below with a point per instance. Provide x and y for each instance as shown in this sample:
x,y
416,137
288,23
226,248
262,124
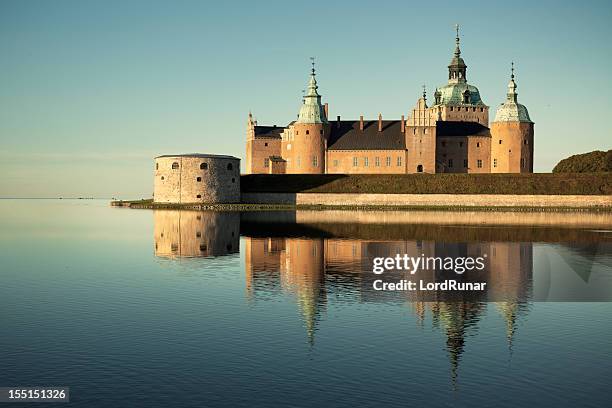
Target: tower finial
x,y
512,70
424,92
312,61
457,50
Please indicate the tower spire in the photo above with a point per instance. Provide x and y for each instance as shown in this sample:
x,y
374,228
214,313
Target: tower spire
x,y
512,94
312,110
424,92
457,68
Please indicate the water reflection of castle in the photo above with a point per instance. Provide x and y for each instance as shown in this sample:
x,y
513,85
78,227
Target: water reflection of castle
x,y
194,233
316,266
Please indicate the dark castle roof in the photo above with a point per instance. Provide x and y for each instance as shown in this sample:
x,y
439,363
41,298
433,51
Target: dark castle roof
x,y
268,132
448,128
345,135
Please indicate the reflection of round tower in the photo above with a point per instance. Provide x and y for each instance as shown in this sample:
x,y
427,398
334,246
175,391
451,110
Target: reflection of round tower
x,y
512,136
310,133
179,233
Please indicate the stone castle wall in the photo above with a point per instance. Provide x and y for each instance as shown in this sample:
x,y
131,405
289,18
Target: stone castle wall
x,y
197,179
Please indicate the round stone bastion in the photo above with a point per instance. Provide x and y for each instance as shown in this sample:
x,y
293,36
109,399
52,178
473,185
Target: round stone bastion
x,y
196,179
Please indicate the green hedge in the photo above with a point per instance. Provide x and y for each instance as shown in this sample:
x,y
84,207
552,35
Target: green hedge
x,y
540,183
592,162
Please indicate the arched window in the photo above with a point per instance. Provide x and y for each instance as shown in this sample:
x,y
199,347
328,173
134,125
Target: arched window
x,y
420,168
203,166
175,166
230,166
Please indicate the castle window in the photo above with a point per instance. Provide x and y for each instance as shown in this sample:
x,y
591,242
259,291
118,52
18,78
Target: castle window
x,y
203,247
162,177
266,144
199,196
482,109
203,166
420,168
308,132
233,180
366,162
451,108
499,141
377,161
414,131
156,166
479,164
474,109
315,161
450,162
230,166
335,163
465,163
478,144
525,142
388,163
199,179
399,161
494,162
355,162
425,131
174,247
175,166
321,131
297,133
198,234
267,162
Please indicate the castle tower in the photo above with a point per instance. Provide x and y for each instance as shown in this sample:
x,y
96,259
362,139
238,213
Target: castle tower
x,y
306,147
457,100
512,135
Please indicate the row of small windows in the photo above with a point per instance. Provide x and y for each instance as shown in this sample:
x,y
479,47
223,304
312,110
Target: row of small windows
x,y
199,179
203,166
466,109
308,132
366,161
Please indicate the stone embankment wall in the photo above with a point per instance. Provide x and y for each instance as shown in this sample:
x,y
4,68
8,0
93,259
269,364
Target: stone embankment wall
x,y
430,200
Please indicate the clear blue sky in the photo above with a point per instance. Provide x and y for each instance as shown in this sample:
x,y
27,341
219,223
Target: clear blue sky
x,y
91,91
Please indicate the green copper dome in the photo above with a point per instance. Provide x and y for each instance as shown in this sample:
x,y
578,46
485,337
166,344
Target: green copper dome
x,y
511,110
455,94
312,111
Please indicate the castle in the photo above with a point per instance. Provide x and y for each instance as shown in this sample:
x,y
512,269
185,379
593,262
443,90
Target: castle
x,y
451,136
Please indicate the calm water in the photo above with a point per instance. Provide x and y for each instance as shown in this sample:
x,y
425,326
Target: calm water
x,y
169,308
